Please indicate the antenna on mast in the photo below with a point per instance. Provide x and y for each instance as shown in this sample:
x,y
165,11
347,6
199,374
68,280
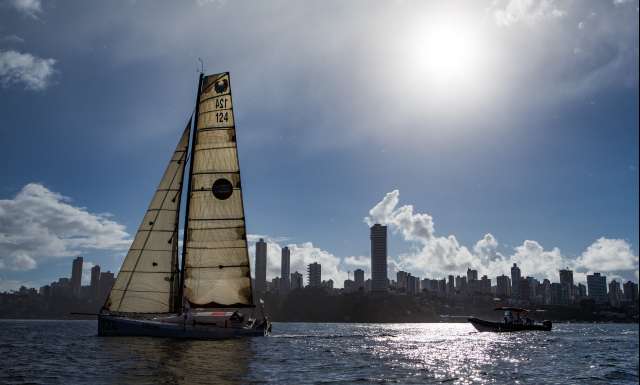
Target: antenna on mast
x,y
201,65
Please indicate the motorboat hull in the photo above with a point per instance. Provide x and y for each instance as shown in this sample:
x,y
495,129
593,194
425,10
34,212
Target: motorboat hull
x,y
489,326
110,325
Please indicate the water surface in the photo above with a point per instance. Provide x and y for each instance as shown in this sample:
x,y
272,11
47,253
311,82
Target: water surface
x,y
69,352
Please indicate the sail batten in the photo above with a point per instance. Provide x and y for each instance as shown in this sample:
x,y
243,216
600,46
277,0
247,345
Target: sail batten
x,y
147,281
216,263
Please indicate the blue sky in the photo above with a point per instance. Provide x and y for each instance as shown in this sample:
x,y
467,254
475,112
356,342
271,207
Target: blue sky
x,y
517,119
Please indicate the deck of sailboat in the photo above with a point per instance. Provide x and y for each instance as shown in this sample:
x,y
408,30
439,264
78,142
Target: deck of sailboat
x,y
110,325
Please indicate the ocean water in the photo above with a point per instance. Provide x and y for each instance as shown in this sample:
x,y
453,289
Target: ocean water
x,y
69,352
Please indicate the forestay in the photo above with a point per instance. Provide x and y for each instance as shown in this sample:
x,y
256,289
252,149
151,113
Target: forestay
x,y
148,279
216,271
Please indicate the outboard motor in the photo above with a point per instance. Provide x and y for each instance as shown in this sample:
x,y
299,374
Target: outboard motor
x,y
547,324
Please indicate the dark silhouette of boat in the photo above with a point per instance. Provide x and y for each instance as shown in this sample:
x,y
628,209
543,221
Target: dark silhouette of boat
x,y
515,320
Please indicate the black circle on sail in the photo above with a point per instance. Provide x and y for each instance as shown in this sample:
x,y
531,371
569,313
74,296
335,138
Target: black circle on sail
x,y
221,85
222,189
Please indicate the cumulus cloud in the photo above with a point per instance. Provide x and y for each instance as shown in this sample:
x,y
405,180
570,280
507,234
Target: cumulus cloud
x,y
525,11
437,256
39,223
301,255
18,262
414,227
24,69
609,255
30,8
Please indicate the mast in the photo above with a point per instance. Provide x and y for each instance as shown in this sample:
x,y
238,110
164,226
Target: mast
x,y
186,212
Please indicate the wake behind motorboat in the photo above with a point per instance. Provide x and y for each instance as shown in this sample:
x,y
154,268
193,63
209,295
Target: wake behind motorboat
x,y
515,320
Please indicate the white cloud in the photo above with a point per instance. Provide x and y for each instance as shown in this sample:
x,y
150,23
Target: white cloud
x,y
414,227
18,262
302,254
525,11
437,256
39,223
31,8
609,255
11,39
86,272
217,3
32,72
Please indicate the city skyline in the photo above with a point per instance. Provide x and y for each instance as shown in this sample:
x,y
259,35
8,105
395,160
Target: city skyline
x,y
499,154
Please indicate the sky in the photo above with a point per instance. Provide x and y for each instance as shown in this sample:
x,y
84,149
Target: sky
x,y
481,133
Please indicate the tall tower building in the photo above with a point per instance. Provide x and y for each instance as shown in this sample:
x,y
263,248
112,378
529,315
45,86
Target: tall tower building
x,y
472,275
76,276
95,282
503,286
597,286
261,268
515,281
314,272
296,281
379,279
285,270
566,280
358,277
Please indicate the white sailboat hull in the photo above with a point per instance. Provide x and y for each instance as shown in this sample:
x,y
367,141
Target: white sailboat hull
x,y
109,326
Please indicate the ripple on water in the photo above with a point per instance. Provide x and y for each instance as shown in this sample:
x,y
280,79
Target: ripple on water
x,y
68,352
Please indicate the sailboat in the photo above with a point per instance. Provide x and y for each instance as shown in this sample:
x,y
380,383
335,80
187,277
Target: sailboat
x,y
207,292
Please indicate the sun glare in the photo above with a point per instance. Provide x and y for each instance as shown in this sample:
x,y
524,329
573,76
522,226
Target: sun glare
x,y
447,54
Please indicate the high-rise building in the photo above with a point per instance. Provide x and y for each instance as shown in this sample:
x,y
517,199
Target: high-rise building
x,y
314,274
76,277
580,291
503,286
615,293
472,275
566,280
107,280
556,293
296,281
358,278
285,269
524,289
631,292
485,285
597,287
327,284
545,288
275,285
401,281
261,268
413,285
461,284
515,281
451,287
533,288
379,279
95,282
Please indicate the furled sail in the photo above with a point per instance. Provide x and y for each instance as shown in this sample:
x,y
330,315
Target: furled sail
x,y
216,271
148,280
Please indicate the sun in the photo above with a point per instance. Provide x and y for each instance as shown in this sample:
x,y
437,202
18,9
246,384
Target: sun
x,y
447,54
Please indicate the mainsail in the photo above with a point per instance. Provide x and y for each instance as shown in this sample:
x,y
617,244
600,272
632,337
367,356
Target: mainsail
x,y
216,269
148,279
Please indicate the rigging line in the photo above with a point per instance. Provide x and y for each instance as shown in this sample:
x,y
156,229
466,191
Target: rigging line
x,y
152,225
